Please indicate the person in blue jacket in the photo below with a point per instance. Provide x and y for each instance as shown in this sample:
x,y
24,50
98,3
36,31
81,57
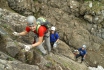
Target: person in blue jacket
x,y
54,37
82,53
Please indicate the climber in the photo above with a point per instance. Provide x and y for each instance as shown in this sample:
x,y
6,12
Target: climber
x,y
42,32
82,53
54,37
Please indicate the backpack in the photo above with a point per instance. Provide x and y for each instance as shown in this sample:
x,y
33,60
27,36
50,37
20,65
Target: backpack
x,y
42,21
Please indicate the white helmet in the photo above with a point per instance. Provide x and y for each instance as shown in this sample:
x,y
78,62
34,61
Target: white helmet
x,y
31,20
84,46
53,28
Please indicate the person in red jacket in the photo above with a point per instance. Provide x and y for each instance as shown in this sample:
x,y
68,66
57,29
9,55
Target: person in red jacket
x,y
42,32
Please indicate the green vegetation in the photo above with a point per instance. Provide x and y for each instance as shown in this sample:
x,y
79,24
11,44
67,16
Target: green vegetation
x,y
4,5
95,0
35,0
7,28
49,65
96,6
50,59
87,0
10,59
36,14
1,16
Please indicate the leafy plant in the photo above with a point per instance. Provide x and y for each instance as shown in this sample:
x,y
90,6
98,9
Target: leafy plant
x,y
49,65
10,58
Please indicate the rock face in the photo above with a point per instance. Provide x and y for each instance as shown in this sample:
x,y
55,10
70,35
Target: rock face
x,y
78,22
25,7
13,46
9,63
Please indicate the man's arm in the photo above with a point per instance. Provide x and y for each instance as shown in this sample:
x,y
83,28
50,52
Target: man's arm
x,y
56,40
84,55
23,33
57,37
20,34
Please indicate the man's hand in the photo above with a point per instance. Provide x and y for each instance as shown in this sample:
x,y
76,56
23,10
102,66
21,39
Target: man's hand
x,y
28,47
16,33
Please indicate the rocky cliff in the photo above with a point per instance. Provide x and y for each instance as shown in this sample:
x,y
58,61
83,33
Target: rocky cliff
x,y
78,22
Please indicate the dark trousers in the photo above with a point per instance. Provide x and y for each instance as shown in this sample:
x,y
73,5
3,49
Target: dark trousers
x,y
52,43
79,55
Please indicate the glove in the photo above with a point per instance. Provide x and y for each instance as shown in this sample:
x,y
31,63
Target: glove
x,y
16,33
54,45
75,50
83,58
27,47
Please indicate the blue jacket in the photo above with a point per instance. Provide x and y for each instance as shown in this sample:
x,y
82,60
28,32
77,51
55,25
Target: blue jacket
x,y
82,52
54,37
